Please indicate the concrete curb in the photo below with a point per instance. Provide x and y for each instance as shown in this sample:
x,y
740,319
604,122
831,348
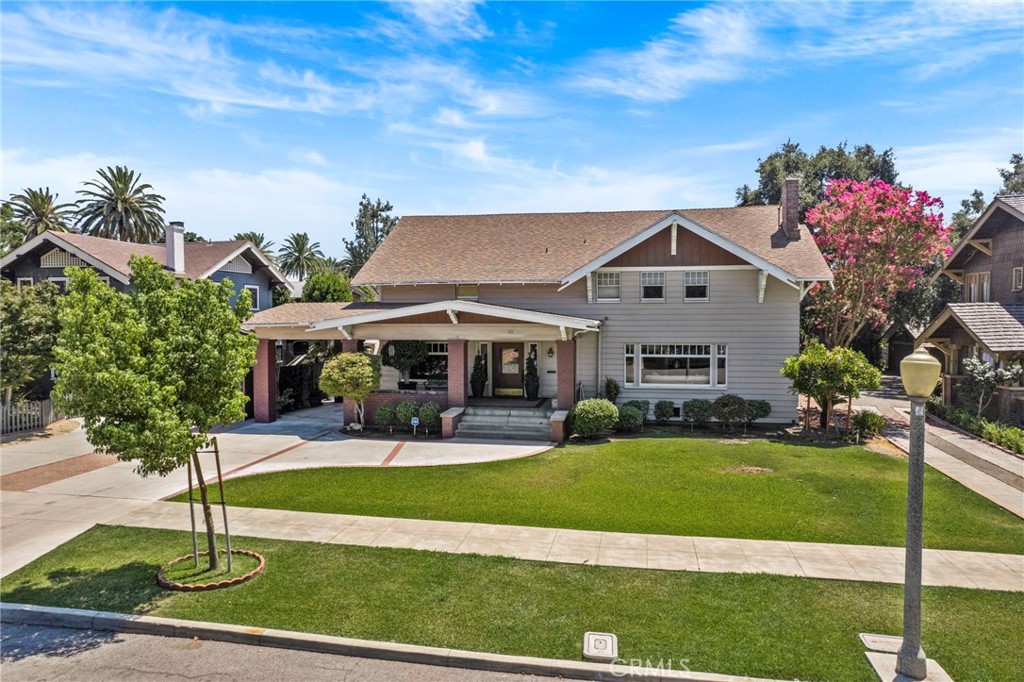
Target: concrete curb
x,y
28,614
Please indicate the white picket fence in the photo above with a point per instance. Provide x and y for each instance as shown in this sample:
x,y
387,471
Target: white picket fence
x,y
27,415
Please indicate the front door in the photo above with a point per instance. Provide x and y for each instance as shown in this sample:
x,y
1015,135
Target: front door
x,y
508,369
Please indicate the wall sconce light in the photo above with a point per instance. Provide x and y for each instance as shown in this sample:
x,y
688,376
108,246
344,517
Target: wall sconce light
x,y
551,352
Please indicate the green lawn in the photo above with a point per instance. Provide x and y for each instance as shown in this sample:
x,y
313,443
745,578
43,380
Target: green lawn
x,y
770,626
674,486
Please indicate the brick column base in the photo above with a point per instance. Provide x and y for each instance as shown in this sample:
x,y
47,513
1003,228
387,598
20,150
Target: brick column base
x,y
264,383
566,369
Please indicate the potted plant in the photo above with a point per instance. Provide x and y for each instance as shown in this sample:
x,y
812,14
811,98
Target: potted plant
x,y
531,382
403,356
478,379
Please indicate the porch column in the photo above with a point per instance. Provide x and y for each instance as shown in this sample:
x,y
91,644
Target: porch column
x,y
566,373
456,373
349,346
264,382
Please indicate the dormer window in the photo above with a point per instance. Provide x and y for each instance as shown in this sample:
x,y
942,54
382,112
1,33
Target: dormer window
x,y
1018,279
467,292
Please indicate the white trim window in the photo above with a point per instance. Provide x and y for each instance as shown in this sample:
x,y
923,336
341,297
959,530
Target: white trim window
x,y
435,367
609,287
25,282
676,365
697,285
61,282
652,286
254,293
1018,278
467,292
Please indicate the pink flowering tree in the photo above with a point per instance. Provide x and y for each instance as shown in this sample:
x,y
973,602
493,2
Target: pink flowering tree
x,y
878,239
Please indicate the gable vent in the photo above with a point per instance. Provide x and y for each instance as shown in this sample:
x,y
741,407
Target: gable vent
x,y
59,258
238,264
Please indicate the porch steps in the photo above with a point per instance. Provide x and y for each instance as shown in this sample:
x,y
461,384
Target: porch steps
x,y
513,423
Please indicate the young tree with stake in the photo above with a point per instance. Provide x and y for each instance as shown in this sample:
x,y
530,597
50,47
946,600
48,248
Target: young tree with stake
x,y
152,371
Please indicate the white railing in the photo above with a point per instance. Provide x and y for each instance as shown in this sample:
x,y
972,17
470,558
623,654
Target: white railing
x,y
27,415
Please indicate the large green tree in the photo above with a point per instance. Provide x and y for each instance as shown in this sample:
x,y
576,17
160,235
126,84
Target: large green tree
x,y
152,371
38,211
372,224
118,205
326,287
28,330
299,256
1013,177
815,171
12,230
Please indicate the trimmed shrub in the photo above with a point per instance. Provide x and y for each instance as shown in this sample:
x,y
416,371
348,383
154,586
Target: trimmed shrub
x,y
1009,437
729,409
630,419
869,423
642,406
384,416
758,409
594,415
663,411
430,416
405,411
697,411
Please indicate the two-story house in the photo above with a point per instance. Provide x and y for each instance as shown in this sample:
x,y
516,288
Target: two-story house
x,y
989,322
45,256
671,304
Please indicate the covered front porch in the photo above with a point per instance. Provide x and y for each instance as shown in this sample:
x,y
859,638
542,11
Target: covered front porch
x,y
458,335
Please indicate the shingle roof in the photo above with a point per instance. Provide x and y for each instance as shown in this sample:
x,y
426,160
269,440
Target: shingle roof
x,y
1014,200
292,314
199,256
999,326
546,247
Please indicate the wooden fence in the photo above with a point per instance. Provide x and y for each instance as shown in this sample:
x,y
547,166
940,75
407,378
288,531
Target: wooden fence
x,y
27,415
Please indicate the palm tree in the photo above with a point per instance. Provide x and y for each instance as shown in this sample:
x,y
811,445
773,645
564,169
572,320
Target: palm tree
x,y
39,211
258,240
299,257
329,264
117,206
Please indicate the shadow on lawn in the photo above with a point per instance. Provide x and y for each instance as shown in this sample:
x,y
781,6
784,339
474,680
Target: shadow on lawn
x,y
129,588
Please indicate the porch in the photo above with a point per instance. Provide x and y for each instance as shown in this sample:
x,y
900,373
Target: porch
x,y
457,333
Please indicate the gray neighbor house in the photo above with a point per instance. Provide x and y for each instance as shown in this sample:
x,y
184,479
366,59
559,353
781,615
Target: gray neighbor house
x,y
45,256
672,304
989,322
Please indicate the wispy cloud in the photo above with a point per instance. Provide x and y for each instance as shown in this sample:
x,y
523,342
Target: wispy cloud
x,y
444,20
733,41
950,168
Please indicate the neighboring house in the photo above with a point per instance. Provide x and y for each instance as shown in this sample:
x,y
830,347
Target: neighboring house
x,y
989,323
45,256
673,305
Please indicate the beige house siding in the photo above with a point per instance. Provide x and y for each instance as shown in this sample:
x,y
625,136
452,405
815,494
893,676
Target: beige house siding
x,y
759,336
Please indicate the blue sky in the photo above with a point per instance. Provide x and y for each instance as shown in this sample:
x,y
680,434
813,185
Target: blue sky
x,y
276,117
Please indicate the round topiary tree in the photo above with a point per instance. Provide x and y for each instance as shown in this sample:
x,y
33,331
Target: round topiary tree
x,y
404,355
663,411
430,416
404,412
351,375
697,412
591,416
385,416
729,409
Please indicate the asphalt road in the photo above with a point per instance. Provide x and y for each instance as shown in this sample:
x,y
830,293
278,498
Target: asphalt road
x,y
32,653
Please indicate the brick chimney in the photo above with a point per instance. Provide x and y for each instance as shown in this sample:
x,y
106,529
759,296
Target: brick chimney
x,y
175,234
789,211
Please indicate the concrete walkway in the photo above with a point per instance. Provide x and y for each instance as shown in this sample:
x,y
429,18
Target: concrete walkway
x,y
987,470
54,487
714,555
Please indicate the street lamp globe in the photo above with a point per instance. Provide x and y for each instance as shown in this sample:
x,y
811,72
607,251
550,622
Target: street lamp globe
x,y
920,373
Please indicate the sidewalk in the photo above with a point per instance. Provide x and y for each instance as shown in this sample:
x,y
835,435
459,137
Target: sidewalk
x,y
981,570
